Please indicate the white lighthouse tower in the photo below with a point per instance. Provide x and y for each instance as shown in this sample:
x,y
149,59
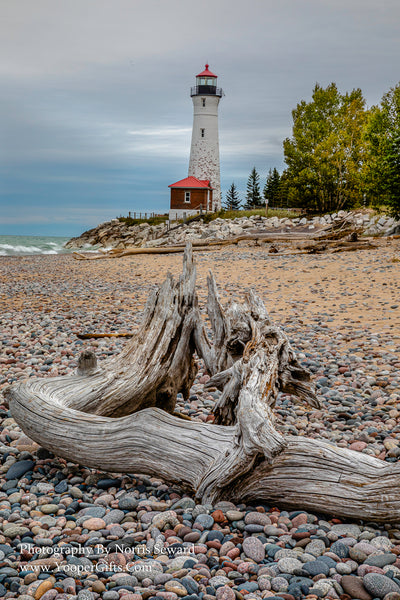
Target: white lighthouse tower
x,y
204,150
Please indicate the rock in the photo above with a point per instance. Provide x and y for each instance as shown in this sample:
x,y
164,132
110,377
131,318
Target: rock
x,y
346,529
205,521
128,503
326,587
49,509
165,519
279,584
176,587
218,580
357,554
184,503
45,586
18,469
381,542
50,595
61,487
93,511
340,549
234,515
299,520
316,567
94,524
379,585
225,593
249,586
358,446
254,549
289,565
110,595
114,516
11,531
381,560
105,484
315,547
256,518
85,595
354,587
178,562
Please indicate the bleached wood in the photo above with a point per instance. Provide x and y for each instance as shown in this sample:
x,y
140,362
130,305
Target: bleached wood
x,y
115,416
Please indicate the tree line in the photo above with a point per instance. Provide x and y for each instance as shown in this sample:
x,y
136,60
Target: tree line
x,y
341,155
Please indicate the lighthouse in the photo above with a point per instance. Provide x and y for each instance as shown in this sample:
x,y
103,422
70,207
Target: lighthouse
x,y
201,190
204,150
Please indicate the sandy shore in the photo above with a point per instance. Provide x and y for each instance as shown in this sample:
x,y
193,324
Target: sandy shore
x,y
345,291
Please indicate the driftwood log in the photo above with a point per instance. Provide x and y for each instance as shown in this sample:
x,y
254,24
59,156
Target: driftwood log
x,y
328,239
117,416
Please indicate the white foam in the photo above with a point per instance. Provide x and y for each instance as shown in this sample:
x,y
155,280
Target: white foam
x,y
16,249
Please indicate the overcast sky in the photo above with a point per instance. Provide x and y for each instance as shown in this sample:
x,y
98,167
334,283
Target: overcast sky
x,y
96,115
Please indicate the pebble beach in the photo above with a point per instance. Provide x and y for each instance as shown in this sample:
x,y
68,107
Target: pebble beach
x,y
67,531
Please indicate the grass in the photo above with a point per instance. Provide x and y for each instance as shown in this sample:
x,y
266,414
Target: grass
x,y
151,220
222,214
237,214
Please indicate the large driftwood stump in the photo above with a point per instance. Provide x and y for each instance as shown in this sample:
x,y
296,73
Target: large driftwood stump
x,y
117,415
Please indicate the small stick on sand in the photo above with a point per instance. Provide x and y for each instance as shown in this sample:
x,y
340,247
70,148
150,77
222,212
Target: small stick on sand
x,y
89,336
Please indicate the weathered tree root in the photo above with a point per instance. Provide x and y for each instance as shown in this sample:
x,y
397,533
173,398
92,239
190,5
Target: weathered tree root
x,y
116,416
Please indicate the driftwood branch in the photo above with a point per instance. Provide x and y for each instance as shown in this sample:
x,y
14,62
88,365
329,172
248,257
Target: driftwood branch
x,y
329,239
131,251
117,415
92,336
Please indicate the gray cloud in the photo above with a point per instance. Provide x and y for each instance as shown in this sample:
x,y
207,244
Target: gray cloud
x,y
96,93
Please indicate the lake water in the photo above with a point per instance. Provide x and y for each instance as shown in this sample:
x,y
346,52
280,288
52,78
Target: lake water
x,y
22,245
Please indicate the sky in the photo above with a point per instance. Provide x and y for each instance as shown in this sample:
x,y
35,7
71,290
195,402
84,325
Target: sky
x,y
96,114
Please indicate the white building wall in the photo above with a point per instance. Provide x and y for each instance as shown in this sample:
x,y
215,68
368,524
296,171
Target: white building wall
x,y
204,151
175,214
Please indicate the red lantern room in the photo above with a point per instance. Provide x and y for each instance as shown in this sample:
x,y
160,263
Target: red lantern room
x,y
206,84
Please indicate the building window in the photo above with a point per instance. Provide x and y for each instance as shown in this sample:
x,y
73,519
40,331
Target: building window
x,y
187,196
202,132
203,101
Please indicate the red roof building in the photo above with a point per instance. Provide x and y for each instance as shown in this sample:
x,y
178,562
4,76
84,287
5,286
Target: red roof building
x,y
191,182
190,196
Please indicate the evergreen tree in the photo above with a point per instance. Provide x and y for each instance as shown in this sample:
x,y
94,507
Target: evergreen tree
x,y
271,189
232,201
253,196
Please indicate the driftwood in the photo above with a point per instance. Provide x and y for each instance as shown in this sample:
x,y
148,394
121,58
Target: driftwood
x,y
328,239
91,336
332,246
117,415
130,251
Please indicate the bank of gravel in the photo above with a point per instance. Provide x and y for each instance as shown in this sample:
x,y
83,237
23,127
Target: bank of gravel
x,y
111,536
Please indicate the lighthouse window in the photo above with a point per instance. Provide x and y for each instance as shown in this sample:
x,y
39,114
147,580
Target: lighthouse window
x,y
202,132
203,101
187,196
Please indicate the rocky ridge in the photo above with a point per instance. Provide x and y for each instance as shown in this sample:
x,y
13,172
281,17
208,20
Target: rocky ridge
x,y
117,234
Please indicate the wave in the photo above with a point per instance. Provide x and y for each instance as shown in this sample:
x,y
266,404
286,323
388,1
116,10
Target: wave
x,y
30,245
